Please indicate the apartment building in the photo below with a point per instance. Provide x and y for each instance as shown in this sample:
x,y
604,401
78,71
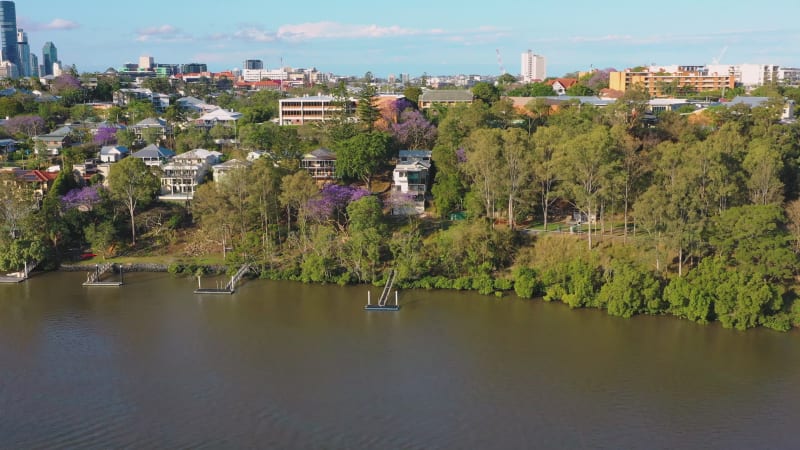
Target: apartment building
x,y
301,110
533,67
657,82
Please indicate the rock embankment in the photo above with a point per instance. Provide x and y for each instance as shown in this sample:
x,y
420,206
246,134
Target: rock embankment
x,y
128,267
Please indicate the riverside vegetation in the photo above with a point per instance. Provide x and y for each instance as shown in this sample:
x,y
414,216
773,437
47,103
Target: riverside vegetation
x,y
692,215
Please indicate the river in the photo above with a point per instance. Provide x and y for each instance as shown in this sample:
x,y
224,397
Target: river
x,y
288,365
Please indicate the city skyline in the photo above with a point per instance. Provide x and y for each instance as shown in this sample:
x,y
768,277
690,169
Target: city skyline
x,y
415,37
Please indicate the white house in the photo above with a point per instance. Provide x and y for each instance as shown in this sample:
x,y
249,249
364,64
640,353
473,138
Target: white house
x,y
410,183
181,176
113,153
220,171
211,118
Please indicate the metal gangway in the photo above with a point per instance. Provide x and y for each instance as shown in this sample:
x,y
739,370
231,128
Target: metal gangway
x,y
229,288
384,299
93,278
237,276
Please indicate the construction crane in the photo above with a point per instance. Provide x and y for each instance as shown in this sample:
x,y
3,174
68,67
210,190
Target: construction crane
x,y
500,62
719,57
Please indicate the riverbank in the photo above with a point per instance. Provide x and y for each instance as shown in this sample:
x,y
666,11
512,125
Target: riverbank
x,y
619,290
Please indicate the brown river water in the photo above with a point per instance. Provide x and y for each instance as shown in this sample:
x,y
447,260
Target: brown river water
x,y
288,365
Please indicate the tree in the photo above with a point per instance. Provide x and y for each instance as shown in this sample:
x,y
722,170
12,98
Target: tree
x,y
106,136
580,90
366,234
413,93
632,167
587,163
133,185
366,108
27,125
517,168
546,167
763,164
361,156
126,137
296,190
540,90
506,79
486,92
413,131
484,166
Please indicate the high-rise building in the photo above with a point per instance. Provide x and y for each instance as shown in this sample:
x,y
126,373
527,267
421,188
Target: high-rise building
x,y
8,33
253,64
49,56
34,65
533,67
24,53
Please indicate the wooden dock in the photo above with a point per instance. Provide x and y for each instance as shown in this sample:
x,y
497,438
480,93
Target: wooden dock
x,y
383,304
18,277
95,278
11,279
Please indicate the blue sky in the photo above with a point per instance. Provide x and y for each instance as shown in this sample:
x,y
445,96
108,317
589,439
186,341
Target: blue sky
x,y
414,36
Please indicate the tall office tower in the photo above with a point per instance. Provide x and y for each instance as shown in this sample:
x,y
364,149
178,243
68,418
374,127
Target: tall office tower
x,y
24,53
8,33
49,56
34,70
533,67
253,64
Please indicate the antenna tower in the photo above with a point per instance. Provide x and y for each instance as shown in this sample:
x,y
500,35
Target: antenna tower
x,y
500,62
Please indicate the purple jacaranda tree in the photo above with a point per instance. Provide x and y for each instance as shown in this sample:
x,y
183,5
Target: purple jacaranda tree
x,y
599,78
106,136
28,125
83,198
391,114
403,203
331,203
461,155
64,82
413,131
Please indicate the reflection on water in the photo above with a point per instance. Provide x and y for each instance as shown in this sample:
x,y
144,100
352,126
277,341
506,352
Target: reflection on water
x,y
289,365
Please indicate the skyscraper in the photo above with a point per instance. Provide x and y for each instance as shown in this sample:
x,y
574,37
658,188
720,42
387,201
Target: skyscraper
x,y
49,56
24,53
533,67
34,65
8,33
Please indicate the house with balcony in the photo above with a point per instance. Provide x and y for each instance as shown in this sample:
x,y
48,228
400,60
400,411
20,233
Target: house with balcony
x,y
153,155
183,173
195,105
407,156
160,126
410,180
218,116
56,140
222,170
320,164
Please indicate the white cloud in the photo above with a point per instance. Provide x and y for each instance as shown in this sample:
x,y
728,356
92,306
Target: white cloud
x,y
53,25
254,34
162,33
334,30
